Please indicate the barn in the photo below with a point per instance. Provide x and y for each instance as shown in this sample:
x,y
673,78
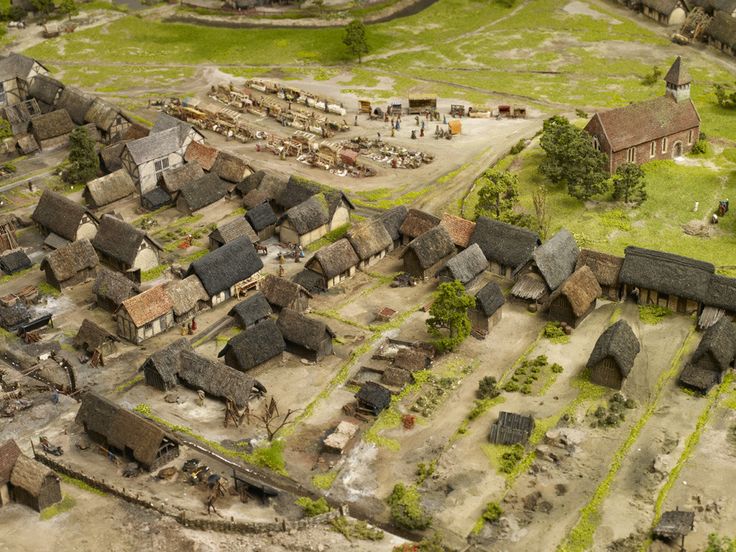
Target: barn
x,y
216,379
613,355
161,368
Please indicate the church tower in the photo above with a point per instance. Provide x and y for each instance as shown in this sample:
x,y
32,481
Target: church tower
x,y
677,82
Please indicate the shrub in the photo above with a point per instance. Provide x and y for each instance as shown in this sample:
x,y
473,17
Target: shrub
x,y
313,507
518,147
716,543
700,147
653,314
511,458
554,332
406,508
425,470
511,386
492,513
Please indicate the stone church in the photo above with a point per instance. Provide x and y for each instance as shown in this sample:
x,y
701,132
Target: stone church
x,y
660,128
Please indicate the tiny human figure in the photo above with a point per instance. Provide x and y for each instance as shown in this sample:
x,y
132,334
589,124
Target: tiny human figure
x,y
393,132
296,256
413,134
301,251
421,132
416,118
200,397
379,135
194,324
282,271
356,120
398,124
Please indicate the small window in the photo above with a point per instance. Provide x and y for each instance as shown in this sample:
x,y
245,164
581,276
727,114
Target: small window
x,y
653,149
161,165
631,155
3,97
596,143
664,145
690,137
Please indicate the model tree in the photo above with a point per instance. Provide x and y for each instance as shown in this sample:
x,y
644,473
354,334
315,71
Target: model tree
x,y
497,196
68,8
448,318
83,164
629,185
355,39
44,7
571,159
272,420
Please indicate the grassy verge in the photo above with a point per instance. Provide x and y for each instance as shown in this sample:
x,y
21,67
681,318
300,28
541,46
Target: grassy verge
x,y
66,504
81,485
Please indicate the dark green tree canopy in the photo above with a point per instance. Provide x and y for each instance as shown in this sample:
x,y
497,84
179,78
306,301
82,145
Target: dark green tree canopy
x,y
629,184
448,318
83,164
356,39
497,196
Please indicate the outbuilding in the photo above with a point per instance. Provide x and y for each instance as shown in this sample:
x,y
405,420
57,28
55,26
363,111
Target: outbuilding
x,y
606,269
487,311
392,220
507,248
282,293
216,379
613,356
371,241
201,193
112,288
14,261
254,346
373,397
160,370
712,359
263,220
230,167
721,33
415,224
576,298
145,315
466,267
94,340
72,264
252,310
176,178
304,336
51,130
108,189
666,12
33,484
59,215
425,254
231,231
335,263
511,429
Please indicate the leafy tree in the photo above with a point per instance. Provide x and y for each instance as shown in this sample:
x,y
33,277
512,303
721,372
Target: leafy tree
x,y
629,184
406,508
355,39
497,196
6,130
83,164
541,210
488,388
68,8
652,78
725,95
571,159
717,543
449,312
44,7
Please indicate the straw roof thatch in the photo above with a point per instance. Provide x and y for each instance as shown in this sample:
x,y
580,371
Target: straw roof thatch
x,y
335,259
166,362
511,428
155,199
489,299
411,359
503,243
666,273
261,216
203,155
113,286
231,167
175,179
273,185
302,330
254,198
605,267
723,29
104,115
431,247
374,395
250,183
14,261
51,125
255,345
9,453
581,290
148,306
618,342
309,214
393,219
202,192
465,266
556,258
59,214
281,292
12,317
460,229
369,238
665,7
112,156
76,103
122,429
120,240
91,336
215,379
529,287
395,377
70,259
417,223
310,281
30,475
111,187
46,89
27,143
233,230
226,266
719,343
297,190
252,310
721,293
186,294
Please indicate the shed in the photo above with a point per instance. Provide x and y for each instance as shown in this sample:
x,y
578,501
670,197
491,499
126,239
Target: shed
x,y
416,223
605,268
230,167
576,297
675,524
252,310
508,248
371,241
126,433
58,214
188,297
228,270
175,179
460,229
72,264
112,288
511,428
201,193
466,266
14,316
51,130
201,154
123,247
109,120
155,199
231,231
394,376
14,261
76,103
555,259
33,484
373,397
311,281
254,346
487,310
613,356
160,370
108,189
282,293
45,90
720,300
305,336
9,453
713,357
215,379
92,339
335,263
392,221
145,315
425,254
340,438
262,219
412,359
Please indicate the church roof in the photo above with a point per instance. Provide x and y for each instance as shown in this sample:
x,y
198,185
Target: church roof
x,y
677,75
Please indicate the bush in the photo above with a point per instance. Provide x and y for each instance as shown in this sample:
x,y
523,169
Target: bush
x,y
406,508
518,147
716,543
511,386
488,388
313,507
425,470
554,332
510,459
652,78
653,314
556,368
492,513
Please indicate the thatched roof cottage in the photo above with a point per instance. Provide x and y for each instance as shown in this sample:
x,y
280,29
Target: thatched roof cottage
x,y
16,72
613,356
124,247
161,368
51,130
33,484
92,339
254,198
216,379
466,266
721,33
487,310
666,12
75,102
306,222
201,193
282,293
335,263
9,453
575,298
370,240
231,168
305,336
719,301
425,254
552,263
605,268
415,224
252,310
14,261
145,315
254,346
713,357
460,229
188,297
46,91
112,288
108,189
231,231
508,248
72,264
109,119
125,433
392,221
262,219
250,183
57,214
175,179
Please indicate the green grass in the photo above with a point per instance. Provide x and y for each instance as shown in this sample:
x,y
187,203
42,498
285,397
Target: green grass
x,y
330,237
653,314
324,481
123,387
81,484
155,272
66,504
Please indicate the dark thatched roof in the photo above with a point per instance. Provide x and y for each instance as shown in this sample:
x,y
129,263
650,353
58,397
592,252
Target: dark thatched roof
x,y
460,229
581,290
202,192
465,266
59,214
9,453
281,292
91,336
723,29
296,191
605,267
224,267
186,294
504,244
369,238
215,378
666,273
619,343
674,524
104,115
417,223
29,475
254,198
70,259
233,230
556,258
122,429
250,183
393,219
431,247
112,156
231,167
334,259
511,428
309,214
166,362
719,343
14,261
256,345
120,240
698,378
148,306
374,395
12,317
665,7
175,179
261,216
310,281
273,185
203,155
113,286
51,125
155,199
111,187
302,330
76,103
45,89
412,359
489,299
252,310
721,293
